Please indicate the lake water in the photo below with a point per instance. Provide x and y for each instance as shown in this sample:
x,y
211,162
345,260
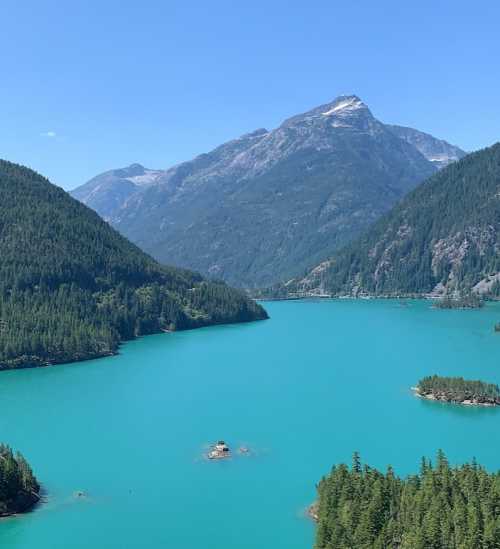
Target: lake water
x,y
303,390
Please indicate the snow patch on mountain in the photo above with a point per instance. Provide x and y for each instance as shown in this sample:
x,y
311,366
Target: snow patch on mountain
x,y
149,176
345,105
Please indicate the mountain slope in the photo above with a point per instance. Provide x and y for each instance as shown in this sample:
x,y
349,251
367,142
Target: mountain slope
x,y
437,151
108,191
444,237
268,205
72,288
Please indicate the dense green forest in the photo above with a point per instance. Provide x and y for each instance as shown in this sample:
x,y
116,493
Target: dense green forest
x,y
19,489
72,288
443,236
441,507
458,389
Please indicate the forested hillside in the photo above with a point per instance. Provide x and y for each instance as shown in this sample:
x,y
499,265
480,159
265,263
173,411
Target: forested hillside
x,y
443,238
72,288
441,507
19,489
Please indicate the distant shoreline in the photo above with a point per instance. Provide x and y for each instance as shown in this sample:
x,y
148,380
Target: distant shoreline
x,y
342,297
368,297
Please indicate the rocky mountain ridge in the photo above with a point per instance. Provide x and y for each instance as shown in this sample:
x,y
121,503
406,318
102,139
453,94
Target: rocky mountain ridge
x,y
437,151
266,206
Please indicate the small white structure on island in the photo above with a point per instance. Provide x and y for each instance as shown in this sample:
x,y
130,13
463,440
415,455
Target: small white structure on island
x,y
219,451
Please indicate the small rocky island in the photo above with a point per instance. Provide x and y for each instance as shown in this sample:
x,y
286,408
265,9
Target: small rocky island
x,y
19,489
220,450
458,390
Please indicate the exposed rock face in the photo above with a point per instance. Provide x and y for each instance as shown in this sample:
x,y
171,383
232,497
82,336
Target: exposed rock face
x,y
437,151
270,204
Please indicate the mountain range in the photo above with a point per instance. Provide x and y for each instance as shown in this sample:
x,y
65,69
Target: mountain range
x,y
441,239
73,288
269,205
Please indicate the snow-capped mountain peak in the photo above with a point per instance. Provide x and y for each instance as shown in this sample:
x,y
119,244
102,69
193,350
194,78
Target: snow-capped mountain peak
x,y
345,105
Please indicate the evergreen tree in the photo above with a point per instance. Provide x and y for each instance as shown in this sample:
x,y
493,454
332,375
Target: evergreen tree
x,y
442,507
19,489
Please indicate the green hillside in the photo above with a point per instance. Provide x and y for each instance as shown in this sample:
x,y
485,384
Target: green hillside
x,y
72,288
440,507
442,238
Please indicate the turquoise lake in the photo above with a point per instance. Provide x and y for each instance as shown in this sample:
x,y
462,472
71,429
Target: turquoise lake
x,y
304,389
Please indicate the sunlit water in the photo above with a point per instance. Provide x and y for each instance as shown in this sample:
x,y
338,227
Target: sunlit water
x,y
303,390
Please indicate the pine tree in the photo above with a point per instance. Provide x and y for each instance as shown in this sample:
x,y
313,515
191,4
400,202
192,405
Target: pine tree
x,y
442,507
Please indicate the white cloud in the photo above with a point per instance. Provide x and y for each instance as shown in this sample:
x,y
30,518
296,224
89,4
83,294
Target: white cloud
x,y
48,134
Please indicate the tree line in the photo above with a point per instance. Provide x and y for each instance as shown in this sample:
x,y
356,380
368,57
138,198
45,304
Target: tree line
x,y
440,507
458,388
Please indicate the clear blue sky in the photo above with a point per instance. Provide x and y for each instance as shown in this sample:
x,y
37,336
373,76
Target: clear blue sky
x,y
90,86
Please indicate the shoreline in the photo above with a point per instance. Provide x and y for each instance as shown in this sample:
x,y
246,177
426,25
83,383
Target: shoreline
x,y
39,363
368,297
349,297
313,511
35,501
442,398
343,297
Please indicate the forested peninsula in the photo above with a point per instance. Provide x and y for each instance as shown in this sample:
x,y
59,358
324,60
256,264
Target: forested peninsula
x,y
439,507
19,489
72,288
459,391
